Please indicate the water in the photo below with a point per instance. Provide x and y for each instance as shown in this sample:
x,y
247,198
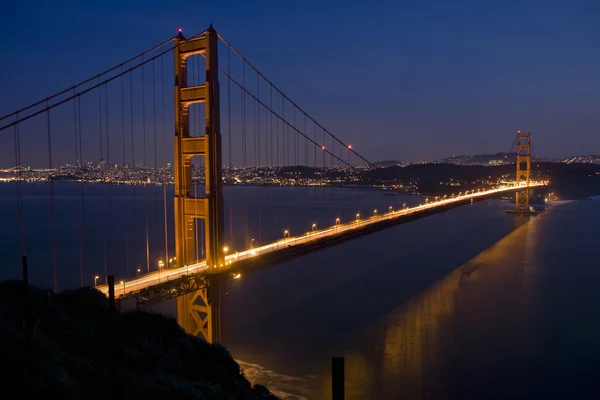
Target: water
x,y
470,304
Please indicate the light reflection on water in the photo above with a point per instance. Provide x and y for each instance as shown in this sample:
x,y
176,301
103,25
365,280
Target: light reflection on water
x,y
494,327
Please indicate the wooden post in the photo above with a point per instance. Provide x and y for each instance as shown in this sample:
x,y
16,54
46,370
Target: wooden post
x,y
111,293
337,378
24,271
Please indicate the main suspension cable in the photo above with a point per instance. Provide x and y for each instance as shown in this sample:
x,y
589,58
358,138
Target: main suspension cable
x,y
37,103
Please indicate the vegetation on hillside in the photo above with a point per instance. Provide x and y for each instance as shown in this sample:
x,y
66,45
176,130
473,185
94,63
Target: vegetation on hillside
x,y
69,346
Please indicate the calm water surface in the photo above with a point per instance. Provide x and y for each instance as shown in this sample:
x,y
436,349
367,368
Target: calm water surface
x,y
471,304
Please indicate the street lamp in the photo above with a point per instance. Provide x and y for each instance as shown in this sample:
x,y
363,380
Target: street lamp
x,y
161,264
390,209
138,271
337,221
251,243
375,212
286,233
225,249
357,218
123,283
314,227
96,280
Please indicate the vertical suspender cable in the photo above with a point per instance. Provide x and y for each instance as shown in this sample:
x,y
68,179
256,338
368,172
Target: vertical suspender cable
x,y
78,189
100,119
145,165
258,120
196,231
52,216
133,166
162,125
283,134
101,165
315,140
244,118
81,196
124,161
229,110
196,77
155,171
109,222
22,237
305,144
272,163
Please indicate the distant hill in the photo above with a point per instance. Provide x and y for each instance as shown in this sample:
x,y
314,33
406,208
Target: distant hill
x,y
495,160
391,163
567,180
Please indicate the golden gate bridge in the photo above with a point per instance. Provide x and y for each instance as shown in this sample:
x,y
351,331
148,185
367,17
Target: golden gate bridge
x,y
116,126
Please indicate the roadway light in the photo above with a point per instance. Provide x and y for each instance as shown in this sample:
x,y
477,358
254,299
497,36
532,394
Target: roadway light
x,y
225,249
286,233
375,212
390,208
337,221
138,271
357,217
96,280
314,227
123,283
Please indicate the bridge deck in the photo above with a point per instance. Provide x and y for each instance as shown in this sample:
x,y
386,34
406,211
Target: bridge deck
x,y
295,246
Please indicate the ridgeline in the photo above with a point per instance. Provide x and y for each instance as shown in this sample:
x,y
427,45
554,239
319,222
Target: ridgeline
x,y
70,346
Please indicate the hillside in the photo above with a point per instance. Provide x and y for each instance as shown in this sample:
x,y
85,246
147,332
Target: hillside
x,y
69,346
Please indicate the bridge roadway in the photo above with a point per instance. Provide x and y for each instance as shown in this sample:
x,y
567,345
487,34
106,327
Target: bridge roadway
x,y
294,246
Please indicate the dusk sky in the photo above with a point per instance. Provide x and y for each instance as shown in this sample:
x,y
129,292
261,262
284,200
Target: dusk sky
x,y
404,80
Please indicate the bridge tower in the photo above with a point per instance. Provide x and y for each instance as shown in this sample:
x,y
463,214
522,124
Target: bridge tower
x,y
523,170
199,313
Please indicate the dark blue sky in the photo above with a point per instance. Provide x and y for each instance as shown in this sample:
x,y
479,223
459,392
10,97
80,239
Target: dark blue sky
x,y
404,80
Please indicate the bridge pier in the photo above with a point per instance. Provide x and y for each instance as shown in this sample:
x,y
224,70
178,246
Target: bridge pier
x,y
200,312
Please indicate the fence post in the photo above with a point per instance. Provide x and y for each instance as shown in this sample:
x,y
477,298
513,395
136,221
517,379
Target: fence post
x,y
111,293
24,271
337,378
